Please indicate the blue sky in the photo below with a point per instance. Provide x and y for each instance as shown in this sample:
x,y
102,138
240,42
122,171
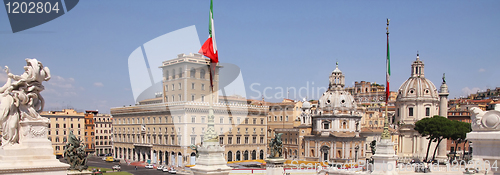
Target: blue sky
x,y
276,44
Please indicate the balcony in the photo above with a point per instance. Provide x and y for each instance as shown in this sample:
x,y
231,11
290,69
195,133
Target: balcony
x,y
143,145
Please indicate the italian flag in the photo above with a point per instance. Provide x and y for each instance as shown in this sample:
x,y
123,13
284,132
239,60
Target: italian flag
x,y
388,66
209,48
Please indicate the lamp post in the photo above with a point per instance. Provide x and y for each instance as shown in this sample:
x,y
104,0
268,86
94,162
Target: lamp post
x,y
356,153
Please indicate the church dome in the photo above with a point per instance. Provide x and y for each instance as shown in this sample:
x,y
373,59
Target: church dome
x,y
336,98
306,105
417,86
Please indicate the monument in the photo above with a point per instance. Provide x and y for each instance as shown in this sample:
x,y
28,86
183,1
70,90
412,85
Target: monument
x,y
25,148
384,159
275,161
485,138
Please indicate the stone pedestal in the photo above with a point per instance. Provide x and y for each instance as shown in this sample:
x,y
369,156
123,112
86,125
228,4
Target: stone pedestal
x,y
485,138
485,148
34,153
211,160
384,159
275,166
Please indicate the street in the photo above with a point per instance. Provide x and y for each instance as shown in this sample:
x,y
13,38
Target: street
x,y
98,162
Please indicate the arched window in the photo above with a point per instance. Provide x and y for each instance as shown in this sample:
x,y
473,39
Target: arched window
x,y
180,72
173,74
192,73
229,156
238,156
202,73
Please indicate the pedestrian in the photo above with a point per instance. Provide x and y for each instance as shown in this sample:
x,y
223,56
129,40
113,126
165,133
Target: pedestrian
x,y
135,167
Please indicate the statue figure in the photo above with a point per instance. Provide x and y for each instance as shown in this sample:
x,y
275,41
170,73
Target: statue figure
x,y
444,80
195,148
276,146
21,100
75,153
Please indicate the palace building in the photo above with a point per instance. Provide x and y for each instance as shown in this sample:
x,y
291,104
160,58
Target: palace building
x,y
162,132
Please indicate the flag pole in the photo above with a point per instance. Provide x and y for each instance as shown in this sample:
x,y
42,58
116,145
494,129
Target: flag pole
x,y
385,133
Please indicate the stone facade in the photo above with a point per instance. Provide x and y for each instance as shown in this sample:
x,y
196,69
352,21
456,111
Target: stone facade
x,y
103,134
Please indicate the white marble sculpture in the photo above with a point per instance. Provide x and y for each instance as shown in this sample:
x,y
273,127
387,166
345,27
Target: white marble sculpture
x,y
21,100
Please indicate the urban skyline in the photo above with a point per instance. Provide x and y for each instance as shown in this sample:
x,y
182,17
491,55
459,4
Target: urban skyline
x,y
276,44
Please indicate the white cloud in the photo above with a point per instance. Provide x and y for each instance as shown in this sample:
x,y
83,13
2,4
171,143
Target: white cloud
x,y
467,90
482,70
59,86
98,84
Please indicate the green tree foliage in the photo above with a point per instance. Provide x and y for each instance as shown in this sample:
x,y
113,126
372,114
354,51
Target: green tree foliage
x,y
436,129
460,134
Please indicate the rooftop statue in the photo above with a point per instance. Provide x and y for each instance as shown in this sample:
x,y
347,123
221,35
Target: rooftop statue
x,y
75,153
21,100
276,146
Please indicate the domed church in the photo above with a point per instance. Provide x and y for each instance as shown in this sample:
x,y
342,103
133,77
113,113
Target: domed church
x,y
417,98
335,125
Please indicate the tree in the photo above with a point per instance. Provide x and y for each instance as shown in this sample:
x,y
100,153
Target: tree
x,y
372,146
436,128
459,134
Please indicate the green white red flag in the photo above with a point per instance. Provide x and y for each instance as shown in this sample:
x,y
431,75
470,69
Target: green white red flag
x,y
209,48
388,66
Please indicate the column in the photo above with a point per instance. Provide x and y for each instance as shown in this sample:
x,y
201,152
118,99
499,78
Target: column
x,y
335,150
317,149
343,150
331,150
307,148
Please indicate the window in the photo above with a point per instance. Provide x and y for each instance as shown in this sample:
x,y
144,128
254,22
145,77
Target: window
x,y
246,140
193,140
261,139
262,121
254,139
166,75
269,118
281,118
238,120
410,111
221,140
192,97
275,118
202,87
193,119
230,120
202,119
230,140
57,125
202,98
326,125
166,88
221,120
180,97
173,87
180,86
246,121
427,111
192,73
71,124
238,141
286,118
202,74
254,121
180,72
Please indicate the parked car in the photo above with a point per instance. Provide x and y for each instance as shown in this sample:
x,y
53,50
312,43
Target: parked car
x,y
165,169
159,167
150,166
104,159
117,168
172,171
